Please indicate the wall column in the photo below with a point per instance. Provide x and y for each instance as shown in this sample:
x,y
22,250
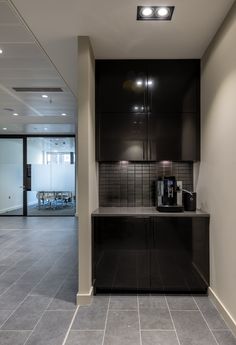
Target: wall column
x,y
87,166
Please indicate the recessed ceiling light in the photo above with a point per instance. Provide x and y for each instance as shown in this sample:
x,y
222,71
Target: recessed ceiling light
x,y
1,51
45,128
15,114
146,11
163,11
155,12
44,96
63,114
4,128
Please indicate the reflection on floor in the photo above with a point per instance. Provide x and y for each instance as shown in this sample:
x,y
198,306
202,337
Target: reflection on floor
x,y
38,285
33,210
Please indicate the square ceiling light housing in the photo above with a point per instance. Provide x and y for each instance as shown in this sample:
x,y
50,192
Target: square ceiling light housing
x,y
155,12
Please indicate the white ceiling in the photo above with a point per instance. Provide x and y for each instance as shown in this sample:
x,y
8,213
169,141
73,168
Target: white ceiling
x,y
115,33
39,39
25,64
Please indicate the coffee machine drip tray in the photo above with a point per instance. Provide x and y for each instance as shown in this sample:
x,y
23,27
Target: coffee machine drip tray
x,y
170,208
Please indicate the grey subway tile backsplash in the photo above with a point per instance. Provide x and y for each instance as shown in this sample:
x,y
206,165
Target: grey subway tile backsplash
x,y
132,184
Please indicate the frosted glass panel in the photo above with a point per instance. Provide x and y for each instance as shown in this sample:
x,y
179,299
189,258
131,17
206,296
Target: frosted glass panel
x,y
53,177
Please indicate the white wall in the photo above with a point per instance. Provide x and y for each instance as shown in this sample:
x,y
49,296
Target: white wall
x,y
87,166
216,185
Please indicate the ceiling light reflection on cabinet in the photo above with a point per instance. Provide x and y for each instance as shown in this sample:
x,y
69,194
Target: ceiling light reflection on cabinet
x,y
15,114
1,51
44,96
139,82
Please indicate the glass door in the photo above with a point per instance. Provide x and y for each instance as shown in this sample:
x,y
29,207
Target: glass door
x,y
50,176
11,176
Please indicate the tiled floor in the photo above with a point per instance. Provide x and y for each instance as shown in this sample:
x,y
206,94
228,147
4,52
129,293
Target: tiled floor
x,y
38,284
149,320
38,279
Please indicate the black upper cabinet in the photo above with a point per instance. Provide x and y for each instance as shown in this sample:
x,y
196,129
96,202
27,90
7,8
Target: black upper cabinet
x,y
121,86
122,137
173,86
148,110
174,136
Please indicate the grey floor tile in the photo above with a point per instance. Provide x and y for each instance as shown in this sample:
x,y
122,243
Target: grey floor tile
x,y
28,313
159,338
124,302
65,299
4,315
152,301
90,318
181,303
191,328
85,338
100,301
13,337
155,319
14,296
211,314
224,338
129,338
51,329
120,322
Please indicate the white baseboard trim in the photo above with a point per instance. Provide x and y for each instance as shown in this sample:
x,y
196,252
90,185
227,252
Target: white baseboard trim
x,y
231,323
84,299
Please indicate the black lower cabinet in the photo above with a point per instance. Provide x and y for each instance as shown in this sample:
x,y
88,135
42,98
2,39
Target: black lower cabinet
x,y
120,254
151,254
180,255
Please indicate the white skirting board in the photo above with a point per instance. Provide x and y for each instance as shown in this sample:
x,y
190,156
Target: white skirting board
x,y
85,299
231,323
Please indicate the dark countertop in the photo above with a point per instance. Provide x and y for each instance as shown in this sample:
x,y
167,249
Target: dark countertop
x,y
144,211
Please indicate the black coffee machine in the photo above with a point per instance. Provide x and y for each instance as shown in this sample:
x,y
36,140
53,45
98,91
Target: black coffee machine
x,y
168,195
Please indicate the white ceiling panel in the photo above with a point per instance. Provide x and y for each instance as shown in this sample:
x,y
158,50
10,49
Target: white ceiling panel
x,y
22,50
6,15
15,34
25,64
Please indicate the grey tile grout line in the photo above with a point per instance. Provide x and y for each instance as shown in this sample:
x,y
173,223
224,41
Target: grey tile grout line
x,y
139,322
206,322
28,294
70,325
31,332
108,307
27,272
172,321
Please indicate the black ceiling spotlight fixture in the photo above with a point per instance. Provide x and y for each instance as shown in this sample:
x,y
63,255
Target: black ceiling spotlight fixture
x,y
155,12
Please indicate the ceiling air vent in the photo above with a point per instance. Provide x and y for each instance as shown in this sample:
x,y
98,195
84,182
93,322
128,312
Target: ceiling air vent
x,y
37,89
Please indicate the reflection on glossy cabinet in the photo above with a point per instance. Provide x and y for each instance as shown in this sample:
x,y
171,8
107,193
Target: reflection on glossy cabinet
x,y
120,86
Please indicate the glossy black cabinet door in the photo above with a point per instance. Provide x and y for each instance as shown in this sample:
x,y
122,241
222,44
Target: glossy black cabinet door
x,y
122,137
174,136
121,86
173,86
121,254
180,255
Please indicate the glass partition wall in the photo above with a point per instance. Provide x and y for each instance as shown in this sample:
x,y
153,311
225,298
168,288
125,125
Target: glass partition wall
x,y
46,165
11,176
